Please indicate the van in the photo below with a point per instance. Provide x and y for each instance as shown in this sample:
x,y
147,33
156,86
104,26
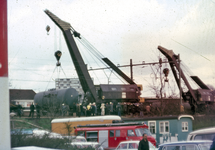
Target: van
x,y
202,134
66,126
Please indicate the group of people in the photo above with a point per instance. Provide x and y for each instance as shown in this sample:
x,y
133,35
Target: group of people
x,y
79,109
32,108
110,109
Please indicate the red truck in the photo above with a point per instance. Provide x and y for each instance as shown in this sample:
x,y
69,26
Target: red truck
x,y
110,135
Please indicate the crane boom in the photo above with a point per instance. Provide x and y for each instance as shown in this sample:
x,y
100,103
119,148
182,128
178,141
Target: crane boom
x,y
118,71
173,61
80,66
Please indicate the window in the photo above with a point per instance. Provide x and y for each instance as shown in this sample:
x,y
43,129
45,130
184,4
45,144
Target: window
x,y
123,95
164,127
113,89
205,146
117,133
92,136
184,126
111,133
122,146
81,133
123,89
152,126
204,137
173,147
141,131
132,146
189,147
130,133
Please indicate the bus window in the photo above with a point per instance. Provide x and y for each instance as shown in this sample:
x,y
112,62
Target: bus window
x,y
92,136
117,133
130,133
111,133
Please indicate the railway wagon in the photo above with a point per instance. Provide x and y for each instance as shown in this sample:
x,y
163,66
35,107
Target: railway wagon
x,y
56,98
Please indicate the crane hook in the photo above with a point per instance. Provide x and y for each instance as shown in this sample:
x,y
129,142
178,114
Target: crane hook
x,y
47,29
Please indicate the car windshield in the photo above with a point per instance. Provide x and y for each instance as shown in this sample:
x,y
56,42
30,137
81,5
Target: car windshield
x,y
141,131
79,140
205,146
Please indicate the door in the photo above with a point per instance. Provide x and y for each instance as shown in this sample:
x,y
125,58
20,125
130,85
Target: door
x,y
112,138
103,138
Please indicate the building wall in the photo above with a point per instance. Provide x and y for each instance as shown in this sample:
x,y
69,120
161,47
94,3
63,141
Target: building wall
x,y
63,83
175,129
183,134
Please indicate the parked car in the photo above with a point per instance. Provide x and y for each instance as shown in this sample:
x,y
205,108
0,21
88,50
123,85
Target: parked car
x,y
133,145
202,134
32,148
187,145
78,139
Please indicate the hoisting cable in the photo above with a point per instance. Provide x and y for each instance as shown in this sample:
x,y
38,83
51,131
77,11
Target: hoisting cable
x,y
88,62
50,78
91,49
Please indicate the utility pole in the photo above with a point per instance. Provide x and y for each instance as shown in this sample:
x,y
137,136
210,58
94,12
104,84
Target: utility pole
x,y
131,67
4,91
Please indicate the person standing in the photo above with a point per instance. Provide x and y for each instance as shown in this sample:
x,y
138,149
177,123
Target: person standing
x,y
19,109
111,108
93,109
89,109
102,109
32,110
144,144
119,109
106,109
38,110
78,110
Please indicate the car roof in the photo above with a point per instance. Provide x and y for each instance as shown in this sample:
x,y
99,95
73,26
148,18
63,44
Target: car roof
x,y
204,131
187,142
129,142
135,141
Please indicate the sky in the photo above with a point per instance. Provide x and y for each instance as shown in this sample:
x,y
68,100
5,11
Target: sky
x,y
120,30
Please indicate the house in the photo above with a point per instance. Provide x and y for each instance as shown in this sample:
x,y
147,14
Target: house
x,y
24,97
167,128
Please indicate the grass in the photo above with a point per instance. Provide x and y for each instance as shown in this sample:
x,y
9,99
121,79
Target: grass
x,y
203,122
45,123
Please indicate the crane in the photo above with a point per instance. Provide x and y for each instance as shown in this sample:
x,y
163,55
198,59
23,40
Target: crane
x,y
196,97
103,92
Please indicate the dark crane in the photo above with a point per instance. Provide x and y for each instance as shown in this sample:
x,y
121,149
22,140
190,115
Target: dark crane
x,y
80,66
105,92
196,97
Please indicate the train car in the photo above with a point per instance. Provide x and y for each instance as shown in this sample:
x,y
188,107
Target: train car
x,y
56,98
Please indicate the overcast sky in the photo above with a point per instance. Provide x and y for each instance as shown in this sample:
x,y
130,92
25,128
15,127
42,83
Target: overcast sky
x,y
120,29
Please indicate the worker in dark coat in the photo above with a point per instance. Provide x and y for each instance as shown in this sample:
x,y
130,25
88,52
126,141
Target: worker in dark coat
x,y
32,110
144,144
38,110
78,110
93,109
19,109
